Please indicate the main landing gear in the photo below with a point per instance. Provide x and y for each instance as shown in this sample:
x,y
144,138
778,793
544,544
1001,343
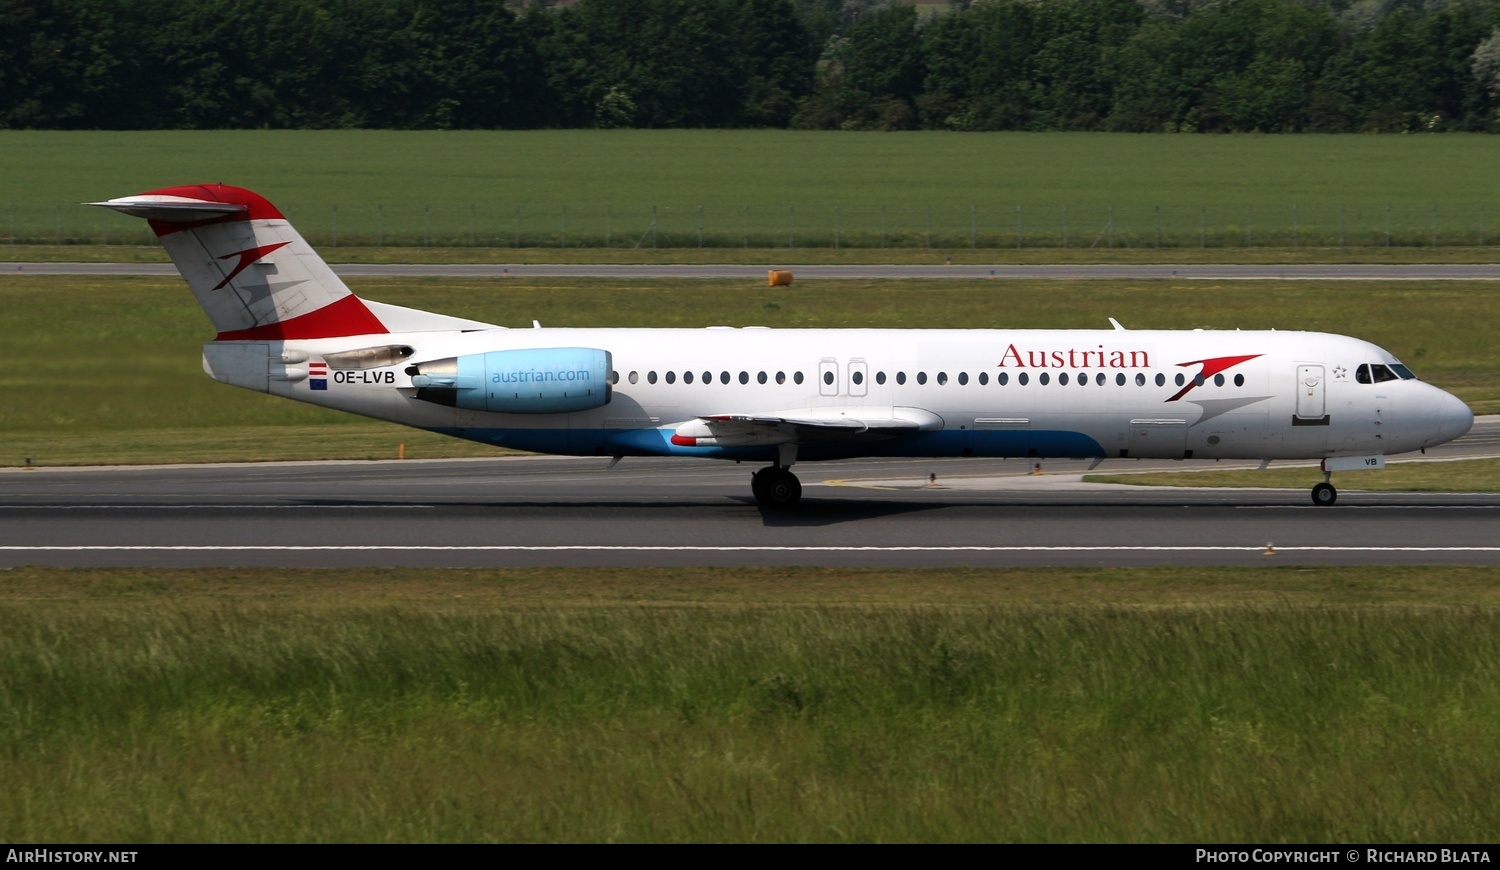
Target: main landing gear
x,y
1324,494
776,488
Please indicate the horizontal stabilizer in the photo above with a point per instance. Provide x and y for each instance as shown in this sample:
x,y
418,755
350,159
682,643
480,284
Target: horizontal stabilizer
x,y
172,209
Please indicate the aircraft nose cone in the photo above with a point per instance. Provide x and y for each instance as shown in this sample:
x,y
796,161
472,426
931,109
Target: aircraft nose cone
x,y
1454,418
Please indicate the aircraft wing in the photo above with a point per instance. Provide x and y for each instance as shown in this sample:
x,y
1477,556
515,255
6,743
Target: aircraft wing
x,y
804,424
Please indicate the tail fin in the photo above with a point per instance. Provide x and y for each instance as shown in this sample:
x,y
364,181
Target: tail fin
x,y
255,275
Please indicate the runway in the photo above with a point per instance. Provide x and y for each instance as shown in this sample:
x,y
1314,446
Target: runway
x,y
560,511
1238,272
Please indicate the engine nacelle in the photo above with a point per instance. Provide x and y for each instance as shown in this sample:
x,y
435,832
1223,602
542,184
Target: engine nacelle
x,y
545,380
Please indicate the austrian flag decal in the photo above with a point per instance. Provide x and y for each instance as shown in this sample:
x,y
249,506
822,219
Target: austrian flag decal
x,y
317,375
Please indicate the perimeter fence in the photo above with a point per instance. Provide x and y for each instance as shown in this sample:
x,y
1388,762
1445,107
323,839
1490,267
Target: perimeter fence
x,y
827,226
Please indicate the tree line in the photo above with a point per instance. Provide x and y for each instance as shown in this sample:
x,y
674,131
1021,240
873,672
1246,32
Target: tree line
x,y
1120,65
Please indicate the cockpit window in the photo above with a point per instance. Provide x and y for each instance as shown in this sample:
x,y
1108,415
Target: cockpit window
x,y
1376,373
1403,372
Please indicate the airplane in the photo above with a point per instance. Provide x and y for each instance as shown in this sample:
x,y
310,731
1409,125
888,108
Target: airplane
x,y
288,326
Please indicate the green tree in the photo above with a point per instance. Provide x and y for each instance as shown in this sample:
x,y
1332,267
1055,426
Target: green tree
x,y
1244,66
1414,69
871,79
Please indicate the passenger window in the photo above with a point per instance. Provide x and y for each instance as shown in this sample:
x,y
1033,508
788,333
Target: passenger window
x,y
708,377
828,377
1198,380
942,378
1161,379
1083,379
1099,379
1140,379
614,377
921,377
781,377
797,377
1218,380
1239,380
984,378
1120,379
963,379
1179,380
744,377
635,377
760,377
650,377
880,377
723,377
1063,379
1022,378
901,377
857,377
1042,378
687,377
1002,379
671,377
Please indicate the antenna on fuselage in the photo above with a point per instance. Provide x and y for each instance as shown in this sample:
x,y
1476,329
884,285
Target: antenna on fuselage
x,y
1116,324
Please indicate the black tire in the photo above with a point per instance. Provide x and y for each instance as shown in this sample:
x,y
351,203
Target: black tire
x,y
779,489
1324,495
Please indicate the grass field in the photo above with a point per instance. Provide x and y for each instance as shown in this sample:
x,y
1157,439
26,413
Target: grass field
x,y
629,188
113,372
753,166
1269,705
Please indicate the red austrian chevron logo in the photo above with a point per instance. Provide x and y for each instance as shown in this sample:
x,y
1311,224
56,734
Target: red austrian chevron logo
x,y
246,258
1210,368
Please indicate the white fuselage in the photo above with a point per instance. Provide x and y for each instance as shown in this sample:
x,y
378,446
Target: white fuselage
x,y
1025,393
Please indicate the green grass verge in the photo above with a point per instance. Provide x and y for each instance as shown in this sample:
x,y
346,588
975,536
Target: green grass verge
x,y
1477,475
1256,705
112,370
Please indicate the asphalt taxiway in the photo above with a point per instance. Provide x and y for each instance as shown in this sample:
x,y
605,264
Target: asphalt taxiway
x,y
566,511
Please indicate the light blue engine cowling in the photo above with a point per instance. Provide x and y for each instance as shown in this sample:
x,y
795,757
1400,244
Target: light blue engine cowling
x,y
547,380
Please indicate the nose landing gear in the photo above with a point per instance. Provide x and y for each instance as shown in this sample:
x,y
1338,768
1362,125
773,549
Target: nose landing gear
x,y
1324,494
